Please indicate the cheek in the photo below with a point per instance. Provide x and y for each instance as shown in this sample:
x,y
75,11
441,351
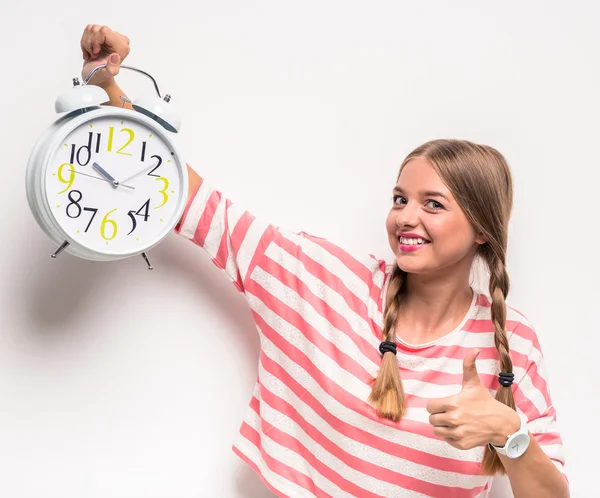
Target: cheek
x,y
453,234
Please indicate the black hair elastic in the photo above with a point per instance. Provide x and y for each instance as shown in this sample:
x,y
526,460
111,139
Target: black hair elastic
x,y
506,378
387,346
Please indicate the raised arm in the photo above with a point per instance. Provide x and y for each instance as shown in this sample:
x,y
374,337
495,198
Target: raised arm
x,y
234,239
102,45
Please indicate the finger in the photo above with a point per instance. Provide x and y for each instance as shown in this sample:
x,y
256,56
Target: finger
x,y
85,43
441,405
444,432
113,64
87,40
470,375
112,68
440,420
98,39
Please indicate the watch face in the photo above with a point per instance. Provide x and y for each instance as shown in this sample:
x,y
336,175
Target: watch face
x,y
114,185
518,445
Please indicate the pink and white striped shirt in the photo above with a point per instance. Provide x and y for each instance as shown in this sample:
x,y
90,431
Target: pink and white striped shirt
x,y
309,430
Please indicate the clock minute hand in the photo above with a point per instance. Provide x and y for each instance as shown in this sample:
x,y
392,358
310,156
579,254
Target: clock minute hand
x,y
102,179
105,174
137,173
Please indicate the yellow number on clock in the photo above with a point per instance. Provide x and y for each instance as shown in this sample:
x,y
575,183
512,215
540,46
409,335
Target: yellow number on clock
x,y
163,191
69,182
112,223
111,133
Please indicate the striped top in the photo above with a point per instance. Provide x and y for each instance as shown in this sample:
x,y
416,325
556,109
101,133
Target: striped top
x,y
318,309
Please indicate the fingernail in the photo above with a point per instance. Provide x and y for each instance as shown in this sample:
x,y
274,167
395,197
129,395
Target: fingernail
x,y
114,58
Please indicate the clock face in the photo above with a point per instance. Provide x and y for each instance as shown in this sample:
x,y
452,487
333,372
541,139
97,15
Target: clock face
x,y
114,185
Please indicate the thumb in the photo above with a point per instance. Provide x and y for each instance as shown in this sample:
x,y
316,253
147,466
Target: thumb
x,y
470,375
113,65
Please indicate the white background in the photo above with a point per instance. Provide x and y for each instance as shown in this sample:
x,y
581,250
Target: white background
x,y
117,382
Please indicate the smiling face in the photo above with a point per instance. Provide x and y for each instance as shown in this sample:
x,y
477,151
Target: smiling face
x,y
427,230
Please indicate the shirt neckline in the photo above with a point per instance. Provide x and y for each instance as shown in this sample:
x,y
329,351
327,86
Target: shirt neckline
x,y
471,312
469,315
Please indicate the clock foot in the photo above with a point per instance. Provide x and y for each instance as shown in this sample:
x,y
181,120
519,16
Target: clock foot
x,y
62,247
150,267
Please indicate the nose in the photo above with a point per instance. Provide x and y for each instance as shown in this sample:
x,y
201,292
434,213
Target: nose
x,y
408,216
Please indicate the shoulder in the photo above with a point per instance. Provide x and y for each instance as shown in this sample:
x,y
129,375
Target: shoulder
x,y
522,334
524,343
325,268
518,327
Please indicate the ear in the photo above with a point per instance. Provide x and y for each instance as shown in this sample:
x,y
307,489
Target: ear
x,y
481,239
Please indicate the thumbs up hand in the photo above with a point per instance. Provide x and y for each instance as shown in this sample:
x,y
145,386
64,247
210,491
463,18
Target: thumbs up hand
x,y
472,417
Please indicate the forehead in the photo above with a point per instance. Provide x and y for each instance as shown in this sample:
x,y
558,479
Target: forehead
x,y
419,175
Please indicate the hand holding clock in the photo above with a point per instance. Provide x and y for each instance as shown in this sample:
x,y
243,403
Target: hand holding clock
x,y
102,45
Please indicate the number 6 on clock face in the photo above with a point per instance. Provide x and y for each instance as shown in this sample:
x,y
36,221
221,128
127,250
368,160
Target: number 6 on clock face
x,y
112,184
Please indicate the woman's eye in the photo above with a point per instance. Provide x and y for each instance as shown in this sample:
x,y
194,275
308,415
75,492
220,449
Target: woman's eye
x,y
434,205
398,199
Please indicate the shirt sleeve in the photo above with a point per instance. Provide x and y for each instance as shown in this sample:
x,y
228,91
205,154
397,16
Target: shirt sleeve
x,y
532,396
232,236
238,242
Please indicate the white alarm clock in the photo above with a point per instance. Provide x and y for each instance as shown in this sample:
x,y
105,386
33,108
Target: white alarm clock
x,y
107,183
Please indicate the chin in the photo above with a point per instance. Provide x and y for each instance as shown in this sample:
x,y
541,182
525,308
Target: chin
x,y
410,264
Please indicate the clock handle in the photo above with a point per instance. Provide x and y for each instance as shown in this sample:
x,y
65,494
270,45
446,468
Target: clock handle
x,y
89,76
152,107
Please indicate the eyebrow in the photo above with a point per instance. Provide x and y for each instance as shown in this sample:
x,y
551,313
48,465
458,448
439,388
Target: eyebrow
x,y
426,193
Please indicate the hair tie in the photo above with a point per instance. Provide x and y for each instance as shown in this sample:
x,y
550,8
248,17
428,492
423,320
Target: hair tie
x,y
506,378
387,346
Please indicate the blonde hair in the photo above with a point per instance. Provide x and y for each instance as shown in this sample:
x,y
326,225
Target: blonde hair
x,y
480,180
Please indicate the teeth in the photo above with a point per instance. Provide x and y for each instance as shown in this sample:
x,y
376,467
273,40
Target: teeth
x,y
412,242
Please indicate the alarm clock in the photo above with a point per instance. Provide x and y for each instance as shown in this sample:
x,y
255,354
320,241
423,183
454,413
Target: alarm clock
x,y
106,183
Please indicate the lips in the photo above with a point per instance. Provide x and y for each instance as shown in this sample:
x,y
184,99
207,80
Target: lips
x,y
408,242
409,238
412,241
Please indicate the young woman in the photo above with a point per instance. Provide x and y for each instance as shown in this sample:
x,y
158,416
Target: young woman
x,y
380,380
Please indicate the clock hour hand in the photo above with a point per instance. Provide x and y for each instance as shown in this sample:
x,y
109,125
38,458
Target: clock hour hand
x,y
105,174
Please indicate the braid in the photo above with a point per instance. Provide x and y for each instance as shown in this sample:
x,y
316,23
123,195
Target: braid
x,y
499,287
387,394
480,180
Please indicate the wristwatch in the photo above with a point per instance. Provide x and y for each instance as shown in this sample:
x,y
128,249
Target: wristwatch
x,y
517,443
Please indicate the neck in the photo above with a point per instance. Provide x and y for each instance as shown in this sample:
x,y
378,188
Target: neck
x,y
432,305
